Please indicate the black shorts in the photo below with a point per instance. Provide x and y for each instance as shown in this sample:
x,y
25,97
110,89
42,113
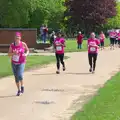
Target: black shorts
x,y
102,43
112,41
116,41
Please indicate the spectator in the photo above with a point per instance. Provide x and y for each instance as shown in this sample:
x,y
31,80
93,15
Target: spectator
x,y
79,40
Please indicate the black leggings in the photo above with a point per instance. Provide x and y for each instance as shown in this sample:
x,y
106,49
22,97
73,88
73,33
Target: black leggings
x,y
92,60
60,58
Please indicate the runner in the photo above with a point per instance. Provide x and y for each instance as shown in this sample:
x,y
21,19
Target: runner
x,y
102,39
112,35
59,45
18,51
118,37
92,51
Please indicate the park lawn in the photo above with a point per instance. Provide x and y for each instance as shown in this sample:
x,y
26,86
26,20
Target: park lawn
x,y
71,45
105,105
32,61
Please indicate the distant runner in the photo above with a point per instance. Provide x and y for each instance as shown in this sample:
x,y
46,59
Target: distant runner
x,y
102,39
59,45
112,35
118,37
18,51
92,51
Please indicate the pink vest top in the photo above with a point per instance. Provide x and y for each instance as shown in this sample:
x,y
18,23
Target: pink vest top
x,y
20,58
92,48
59,49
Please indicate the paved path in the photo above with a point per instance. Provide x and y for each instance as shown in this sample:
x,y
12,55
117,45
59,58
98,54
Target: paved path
x,y
56,97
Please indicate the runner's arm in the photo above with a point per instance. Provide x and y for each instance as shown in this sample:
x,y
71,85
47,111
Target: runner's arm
x,y
10,53
26,48
63,44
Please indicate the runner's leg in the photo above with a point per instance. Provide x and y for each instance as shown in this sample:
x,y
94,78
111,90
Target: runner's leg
x,y
62,61
15,71
90,61
94,61
58,63
20,76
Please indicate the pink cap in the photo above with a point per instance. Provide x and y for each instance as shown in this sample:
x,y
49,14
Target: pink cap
x,y
18,34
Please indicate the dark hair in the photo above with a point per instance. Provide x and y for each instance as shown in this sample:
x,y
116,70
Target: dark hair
x,y
58,33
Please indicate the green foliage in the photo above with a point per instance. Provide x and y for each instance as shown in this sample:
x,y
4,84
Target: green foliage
x,y
31,13
14,13
115,21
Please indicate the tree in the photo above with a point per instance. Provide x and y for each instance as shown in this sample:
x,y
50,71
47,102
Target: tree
x,y
46,12
31,13
90,14
14,13
115,21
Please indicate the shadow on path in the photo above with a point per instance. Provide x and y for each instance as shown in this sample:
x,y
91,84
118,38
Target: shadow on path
x,y
45,74
69,73
78,73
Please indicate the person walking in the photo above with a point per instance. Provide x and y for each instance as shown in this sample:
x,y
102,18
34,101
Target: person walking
x,y
93,45
59,45
79,40
42,33
102,39
18,52
45,32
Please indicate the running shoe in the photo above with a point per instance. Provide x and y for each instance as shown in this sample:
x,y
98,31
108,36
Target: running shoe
x,y
18,93
90,70
57,72
93,71
64,68
22,89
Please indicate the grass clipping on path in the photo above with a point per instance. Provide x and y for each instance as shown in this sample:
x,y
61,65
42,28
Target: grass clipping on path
x,y
32,62
104,106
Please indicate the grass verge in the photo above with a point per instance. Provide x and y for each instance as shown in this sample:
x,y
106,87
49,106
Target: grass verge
x,y
105,105
71,45
32,61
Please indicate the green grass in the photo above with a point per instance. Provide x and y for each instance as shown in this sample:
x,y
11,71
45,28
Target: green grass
x,y
105,105
32,61
71,45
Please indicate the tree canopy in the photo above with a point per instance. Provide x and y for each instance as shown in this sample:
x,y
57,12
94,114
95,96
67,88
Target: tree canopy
x,y
31,13
90,14
115,21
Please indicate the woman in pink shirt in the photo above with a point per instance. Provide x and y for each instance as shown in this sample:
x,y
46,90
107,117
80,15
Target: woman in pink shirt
x,y
18,51
112,35
93,45
59,45
102,39
118,37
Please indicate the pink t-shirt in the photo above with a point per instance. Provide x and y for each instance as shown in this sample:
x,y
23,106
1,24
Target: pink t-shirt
x,y
91,45
20,58
112,34
102,37
59,48
118,35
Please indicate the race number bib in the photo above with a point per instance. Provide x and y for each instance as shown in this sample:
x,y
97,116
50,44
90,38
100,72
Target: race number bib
x,y
16,58
92,49
58,48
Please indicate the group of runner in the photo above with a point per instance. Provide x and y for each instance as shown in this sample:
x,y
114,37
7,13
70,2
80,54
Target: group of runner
x,y
114,36
18,51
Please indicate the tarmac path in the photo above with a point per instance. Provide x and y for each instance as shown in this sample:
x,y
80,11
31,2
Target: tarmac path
x,y
56,97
